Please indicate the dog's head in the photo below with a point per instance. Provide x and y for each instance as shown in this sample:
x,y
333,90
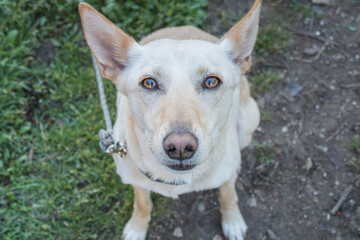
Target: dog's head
x,y
181,92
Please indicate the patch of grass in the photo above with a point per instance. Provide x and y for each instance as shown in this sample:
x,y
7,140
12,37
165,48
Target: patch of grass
x,y
265,116
304,9
263,81
276,34
355,161
264,154
49,104
141,17
272,38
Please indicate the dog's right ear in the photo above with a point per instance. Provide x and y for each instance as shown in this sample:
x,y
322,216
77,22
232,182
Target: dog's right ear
x,y
109,44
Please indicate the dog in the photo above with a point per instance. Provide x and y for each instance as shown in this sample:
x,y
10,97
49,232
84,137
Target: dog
x,y
184,109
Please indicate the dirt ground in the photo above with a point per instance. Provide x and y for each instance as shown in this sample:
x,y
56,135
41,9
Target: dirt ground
x,y
313,116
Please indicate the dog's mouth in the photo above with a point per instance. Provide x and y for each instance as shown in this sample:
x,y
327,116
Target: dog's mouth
x,y
181,167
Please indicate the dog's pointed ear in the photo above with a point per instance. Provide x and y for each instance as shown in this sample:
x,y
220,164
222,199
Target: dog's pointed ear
x,y
239,41
109,44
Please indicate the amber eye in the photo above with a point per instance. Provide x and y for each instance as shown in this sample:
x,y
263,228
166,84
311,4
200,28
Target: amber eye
x,y
149,83
212,82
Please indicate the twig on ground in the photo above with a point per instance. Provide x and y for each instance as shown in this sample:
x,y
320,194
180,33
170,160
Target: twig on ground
x,y
313,89
343,197
351,85
195,203
275,168
336,132
310,192
311,60
31,153
202,231
271,182
306,34
51,156
271,234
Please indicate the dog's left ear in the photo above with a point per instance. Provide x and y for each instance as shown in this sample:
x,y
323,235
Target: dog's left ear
x,y
109,44
239,41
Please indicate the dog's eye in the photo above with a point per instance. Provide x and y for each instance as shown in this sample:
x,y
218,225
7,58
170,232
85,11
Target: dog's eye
x,y
149,83
212,82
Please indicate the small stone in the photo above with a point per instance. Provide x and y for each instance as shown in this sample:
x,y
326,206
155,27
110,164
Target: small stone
x,y
317,33
252,202
324,149
284,129
308,163
201,207
178,232
310,51
328,217
353,73
217,237
293,89
322,22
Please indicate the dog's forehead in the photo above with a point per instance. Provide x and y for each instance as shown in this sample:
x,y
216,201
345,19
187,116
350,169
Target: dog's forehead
x,y
185,53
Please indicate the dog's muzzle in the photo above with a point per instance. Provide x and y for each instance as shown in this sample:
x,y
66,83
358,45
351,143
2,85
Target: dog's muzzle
x,y
180,147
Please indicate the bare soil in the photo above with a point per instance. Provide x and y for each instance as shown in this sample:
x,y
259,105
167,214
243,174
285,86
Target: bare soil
x,y
313,116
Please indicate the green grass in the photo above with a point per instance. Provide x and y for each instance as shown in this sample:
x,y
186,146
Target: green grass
x,y
263,80
48,99
355,161
276,34
265,154
265,116
272,38
304,9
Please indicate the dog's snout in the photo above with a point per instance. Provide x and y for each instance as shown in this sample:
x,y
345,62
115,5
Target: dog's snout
x,y
180,145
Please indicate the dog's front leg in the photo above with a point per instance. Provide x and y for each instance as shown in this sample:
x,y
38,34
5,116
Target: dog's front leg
x,y
233,224
138,224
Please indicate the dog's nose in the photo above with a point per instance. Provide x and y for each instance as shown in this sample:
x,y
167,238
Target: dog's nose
x,y
180,145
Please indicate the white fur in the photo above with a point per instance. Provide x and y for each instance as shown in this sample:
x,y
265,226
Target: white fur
x,y
233,225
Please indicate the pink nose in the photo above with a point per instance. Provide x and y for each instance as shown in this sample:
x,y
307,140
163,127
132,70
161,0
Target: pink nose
x,y
180,146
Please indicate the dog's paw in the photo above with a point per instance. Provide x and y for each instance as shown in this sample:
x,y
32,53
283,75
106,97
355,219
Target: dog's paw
x,y
132,232
233,225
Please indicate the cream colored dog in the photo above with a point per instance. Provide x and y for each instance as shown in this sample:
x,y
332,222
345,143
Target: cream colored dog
x,y
184,109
